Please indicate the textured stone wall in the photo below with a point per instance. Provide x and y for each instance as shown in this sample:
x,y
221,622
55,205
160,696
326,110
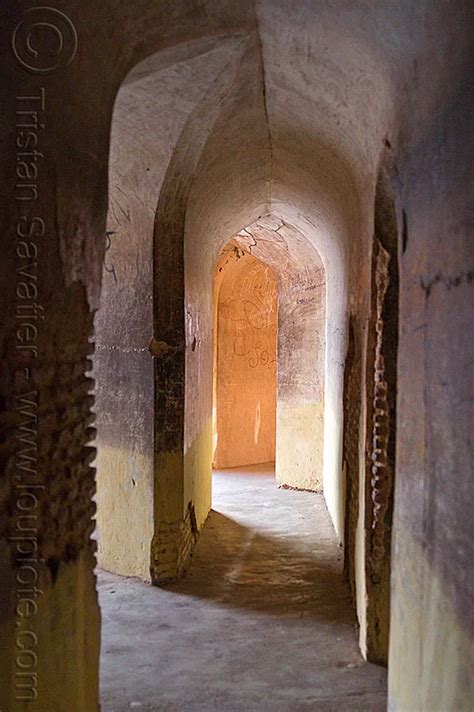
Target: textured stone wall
x,y
382,385
172,547
47,555
352,414
52,434
379,468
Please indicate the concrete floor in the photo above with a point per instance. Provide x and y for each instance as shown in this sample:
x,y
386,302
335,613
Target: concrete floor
x,y
262,621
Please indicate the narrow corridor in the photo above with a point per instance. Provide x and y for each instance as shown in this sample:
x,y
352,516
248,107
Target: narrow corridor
x,y
262,620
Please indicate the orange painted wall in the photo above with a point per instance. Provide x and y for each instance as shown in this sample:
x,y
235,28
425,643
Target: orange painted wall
x,y
246,347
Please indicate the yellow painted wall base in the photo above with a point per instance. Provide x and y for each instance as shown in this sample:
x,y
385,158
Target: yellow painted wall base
x,y
299,448
36,643
198,474
431,656
182,505
124,511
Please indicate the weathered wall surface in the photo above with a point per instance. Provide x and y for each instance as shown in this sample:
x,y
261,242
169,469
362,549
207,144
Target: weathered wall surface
x,y
295,128
246,364
432,634
123,367
124,324
182,441
301,351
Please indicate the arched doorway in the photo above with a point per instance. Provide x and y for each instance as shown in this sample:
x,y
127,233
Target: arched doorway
x,y
270,354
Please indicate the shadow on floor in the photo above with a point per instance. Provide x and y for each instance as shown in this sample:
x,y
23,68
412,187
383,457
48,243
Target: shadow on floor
x,y
261,621
243,568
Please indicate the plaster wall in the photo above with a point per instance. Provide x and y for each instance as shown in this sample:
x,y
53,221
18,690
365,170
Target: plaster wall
x,y
246,364
432,636
325,90
123,362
